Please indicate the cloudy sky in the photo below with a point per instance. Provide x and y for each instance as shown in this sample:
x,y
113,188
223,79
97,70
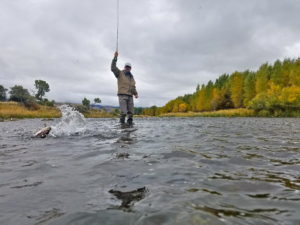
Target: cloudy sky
x,y
173,45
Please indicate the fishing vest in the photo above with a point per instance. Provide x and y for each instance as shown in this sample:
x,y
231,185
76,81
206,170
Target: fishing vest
x,y
126,84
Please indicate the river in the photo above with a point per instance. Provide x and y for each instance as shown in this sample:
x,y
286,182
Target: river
x,y
164,171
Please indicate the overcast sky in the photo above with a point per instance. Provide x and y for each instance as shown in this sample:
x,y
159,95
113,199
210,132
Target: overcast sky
x,y
173,45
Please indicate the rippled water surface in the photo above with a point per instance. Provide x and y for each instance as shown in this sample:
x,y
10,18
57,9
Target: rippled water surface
x,y
170,170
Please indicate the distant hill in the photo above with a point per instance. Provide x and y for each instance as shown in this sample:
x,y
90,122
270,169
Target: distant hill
x,y
108,108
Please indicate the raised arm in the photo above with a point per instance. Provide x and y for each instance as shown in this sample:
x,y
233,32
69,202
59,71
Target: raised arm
x,y
114,67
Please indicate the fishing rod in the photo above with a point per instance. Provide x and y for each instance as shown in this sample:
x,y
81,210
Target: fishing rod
x,y
117,44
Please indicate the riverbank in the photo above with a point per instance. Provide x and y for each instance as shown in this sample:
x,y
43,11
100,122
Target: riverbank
x,y
95,113
14,110
241,112
220,113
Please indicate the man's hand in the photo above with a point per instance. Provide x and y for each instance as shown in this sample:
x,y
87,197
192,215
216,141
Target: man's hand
x,y
136,96
116,54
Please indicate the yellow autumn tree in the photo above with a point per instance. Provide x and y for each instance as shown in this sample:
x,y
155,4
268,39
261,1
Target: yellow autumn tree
x,y
182,107
236,89
290,96
262,79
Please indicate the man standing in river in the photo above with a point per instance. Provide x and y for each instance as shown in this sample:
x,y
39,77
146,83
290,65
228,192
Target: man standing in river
x,y
126,89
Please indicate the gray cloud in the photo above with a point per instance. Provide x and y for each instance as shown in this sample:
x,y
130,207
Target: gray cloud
x,y
173,45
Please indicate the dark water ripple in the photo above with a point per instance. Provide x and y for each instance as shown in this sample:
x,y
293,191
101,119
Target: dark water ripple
x,y
194,170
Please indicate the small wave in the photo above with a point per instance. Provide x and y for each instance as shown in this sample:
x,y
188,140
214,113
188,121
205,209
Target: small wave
x,y
71,123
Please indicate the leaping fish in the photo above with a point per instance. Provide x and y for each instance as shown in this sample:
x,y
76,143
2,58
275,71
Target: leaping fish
x,y
43,132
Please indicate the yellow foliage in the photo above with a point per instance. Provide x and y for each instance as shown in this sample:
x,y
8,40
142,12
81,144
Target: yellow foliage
x,y
237,89
182,107
295,76
290,95
216,98
274,89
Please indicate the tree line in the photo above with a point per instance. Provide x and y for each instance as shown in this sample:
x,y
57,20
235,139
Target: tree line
x,y
271,90
86,105
20,94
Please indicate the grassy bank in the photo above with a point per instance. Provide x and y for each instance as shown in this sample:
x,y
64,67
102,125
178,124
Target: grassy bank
x,y
14,110
242,112
220,113
94,113
10,110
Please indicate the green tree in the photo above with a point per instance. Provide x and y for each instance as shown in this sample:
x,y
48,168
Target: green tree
x,y
138,110
276,75
222,81
19,94
294,78
287,66
153,110
200,99
262,78
280,72
86,103
249,87
208,96
42,87
97,100
221,93
2,93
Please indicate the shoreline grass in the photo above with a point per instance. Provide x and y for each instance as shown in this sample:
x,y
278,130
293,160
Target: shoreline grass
x,y
14,110
220,113
241,112
95,113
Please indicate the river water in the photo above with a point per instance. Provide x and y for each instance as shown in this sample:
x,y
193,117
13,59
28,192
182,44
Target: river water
x,y
164,171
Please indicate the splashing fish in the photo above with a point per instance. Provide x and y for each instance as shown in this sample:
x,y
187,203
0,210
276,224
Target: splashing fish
x,y
43,132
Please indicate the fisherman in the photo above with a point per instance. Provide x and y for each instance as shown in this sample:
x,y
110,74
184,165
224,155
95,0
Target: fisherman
x,y
126,89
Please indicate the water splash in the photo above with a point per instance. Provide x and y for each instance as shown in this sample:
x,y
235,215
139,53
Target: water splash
x,y
72,122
